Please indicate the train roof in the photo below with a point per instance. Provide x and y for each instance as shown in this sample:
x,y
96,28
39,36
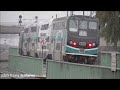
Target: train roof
x,y
68,17
39,23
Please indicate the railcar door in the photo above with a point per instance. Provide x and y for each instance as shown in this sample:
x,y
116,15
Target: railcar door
x,y
58,46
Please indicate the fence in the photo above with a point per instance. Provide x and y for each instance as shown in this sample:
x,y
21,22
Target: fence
x,y
13,51
64,70
106,59
27,65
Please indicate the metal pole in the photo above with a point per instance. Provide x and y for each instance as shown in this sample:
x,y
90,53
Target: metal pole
x,y
42,51
90,13
67,13
20,23
54,50
36,17
61,59
56,15
83,12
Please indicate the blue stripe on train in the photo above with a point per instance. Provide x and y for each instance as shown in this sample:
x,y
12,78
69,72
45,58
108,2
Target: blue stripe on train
x,y
70,49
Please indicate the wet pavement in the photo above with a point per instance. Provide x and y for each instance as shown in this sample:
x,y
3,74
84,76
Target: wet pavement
x,y
5,72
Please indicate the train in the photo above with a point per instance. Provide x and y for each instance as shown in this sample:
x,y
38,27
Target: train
x,y
71,39
34,39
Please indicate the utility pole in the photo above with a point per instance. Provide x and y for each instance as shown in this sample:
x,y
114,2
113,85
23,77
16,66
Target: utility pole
x,y
36,18
83,12
67,13
56,15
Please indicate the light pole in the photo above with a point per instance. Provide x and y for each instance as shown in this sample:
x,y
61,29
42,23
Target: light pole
x,y
67,13
83,12
36,18
56,15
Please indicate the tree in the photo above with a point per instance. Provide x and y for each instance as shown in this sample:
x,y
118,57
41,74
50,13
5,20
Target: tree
x,y
110,25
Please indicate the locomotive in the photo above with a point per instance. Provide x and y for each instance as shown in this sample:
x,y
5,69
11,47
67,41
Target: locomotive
x,y
75,39
70,39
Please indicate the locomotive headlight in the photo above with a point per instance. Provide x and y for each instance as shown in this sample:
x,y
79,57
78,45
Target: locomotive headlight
x,y
90,45
93,44
73,43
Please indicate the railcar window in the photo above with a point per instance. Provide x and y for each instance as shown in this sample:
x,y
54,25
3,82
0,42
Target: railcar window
x,y
45,27
73,26
33,29
58,46
82,33
83,24
43,34
59,25
92,25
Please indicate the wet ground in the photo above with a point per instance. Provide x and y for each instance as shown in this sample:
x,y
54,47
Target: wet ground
x,y
5,70
4,51
4,66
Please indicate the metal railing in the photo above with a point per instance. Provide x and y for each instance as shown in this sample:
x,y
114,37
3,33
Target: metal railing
x,y
65,70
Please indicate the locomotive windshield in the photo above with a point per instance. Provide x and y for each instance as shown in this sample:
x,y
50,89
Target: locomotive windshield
x,y
73,25
92,25
83,24
85,28
45,27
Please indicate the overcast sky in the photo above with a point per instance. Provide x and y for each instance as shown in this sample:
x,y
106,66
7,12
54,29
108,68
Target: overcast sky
x,y
12,16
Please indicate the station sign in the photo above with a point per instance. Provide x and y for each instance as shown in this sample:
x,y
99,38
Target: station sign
x,y
43,41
